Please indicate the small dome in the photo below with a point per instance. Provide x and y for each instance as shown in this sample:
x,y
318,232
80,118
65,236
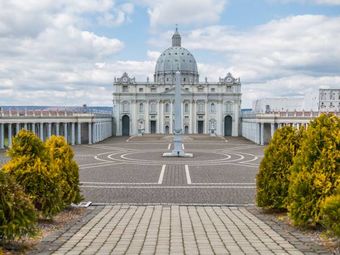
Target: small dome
x,y
173,59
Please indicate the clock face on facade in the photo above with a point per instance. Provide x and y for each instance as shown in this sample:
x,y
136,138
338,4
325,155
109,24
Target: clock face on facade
x,y
125,79
229,79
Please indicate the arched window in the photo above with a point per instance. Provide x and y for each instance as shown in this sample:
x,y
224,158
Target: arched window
x,y
186,107
141,107
212,108
167,107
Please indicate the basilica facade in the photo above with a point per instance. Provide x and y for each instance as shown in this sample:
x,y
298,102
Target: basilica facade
x,y
148,107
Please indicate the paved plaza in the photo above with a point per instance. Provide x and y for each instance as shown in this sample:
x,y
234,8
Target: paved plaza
x,y
134,171
146,204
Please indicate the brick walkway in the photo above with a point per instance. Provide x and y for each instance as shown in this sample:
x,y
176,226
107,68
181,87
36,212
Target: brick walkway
x,y
161,229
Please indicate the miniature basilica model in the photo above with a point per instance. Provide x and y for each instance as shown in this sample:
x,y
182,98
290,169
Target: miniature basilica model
x,y
148,107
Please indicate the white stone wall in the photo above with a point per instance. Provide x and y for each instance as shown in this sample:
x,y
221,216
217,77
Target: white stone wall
x,y
128,96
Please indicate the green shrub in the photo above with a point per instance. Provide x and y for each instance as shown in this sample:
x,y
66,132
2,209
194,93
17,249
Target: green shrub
x,y
315,171
17,213
61,155
330,214
30,167
273,177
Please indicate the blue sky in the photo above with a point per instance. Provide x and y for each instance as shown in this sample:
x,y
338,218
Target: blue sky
x,y
68,52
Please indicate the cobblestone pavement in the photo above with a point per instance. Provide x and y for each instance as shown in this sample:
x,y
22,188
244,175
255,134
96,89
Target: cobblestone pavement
x,y
126,229
133,171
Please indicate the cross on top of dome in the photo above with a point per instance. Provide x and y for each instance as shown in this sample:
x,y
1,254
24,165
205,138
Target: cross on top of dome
x,y
176,38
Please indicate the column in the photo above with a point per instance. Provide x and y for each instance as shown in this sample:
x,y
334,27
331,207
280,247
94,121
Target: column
x,y
272,129
2,136
33,128
25,126
206,120
262,133
79,133
17,128
57,129
147,120
194,116
41,131
73,131
90,132
160,117
49,130
9,135
65,131
219,114
171,118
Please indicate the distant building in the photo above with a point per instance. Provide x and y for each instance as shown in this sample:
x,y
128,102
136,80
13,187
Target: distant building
x,y
148,107
268,114
329,100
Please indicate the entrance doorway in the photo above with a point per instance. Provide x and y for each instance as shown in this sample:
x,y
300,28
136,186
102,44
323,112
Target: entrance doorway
x,y
126,125
228,121
153,127
200,126
167,130
186,130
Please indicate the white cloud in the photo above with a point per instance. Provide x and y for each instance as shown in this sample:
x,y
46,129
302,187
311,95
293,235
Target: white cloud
x,y
164,12
48,54
320,2
297,52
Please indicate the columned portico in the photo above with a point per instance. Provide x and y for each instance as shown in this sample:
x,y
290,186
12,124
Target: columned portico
x,y
75,127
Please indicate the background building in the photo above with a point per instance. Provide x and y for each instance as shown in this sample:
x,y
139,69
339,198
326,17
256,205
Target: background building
x,y
268,114
148,107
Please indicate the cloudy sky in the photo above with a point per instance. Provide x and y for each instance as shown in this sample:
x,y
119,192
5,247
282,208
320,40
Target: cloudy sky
x,y
67,52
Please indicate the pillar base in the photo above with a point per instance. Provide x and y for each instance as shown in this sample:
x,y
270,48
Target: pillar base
x,y
178,154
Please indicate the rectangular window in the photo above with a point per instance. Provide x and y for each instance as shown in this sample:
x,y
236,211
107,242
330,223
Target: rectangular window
x,y
212,90
200,89
141,89
153,89
125,89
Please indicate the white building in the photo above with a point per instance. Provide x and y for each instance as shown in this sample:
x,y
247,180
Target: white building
x,y
271,113
76,127
148,107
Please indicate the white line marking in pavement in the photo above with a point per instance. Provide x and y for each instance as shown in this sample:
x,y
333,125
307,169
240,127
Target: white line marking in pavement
x,y
169,146
187,174
168,187
160,180
100,184
183,146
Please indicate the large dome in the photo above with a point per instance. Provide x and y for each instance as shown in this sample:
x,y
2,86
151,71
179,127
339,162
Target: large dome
x,y
173,59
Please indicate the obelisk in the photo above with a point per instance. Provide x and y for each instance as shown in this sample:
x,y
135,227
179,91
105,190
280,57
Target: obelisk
x,y
177,142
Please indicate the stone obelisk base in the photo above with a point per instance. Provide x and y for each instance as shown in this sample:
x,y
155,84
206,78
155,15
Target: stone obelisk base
x,y
178,149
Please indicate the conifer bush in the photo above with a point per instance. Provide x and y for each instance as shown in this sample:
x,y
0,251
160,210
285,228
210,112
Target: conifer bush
x,y
315,171
273,177
330,214
61,155
17,213
30,167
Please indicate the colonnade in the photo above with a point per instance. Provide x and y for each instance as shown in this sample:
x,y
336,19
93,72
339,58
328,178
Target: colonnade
x,y
75,131
261,131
